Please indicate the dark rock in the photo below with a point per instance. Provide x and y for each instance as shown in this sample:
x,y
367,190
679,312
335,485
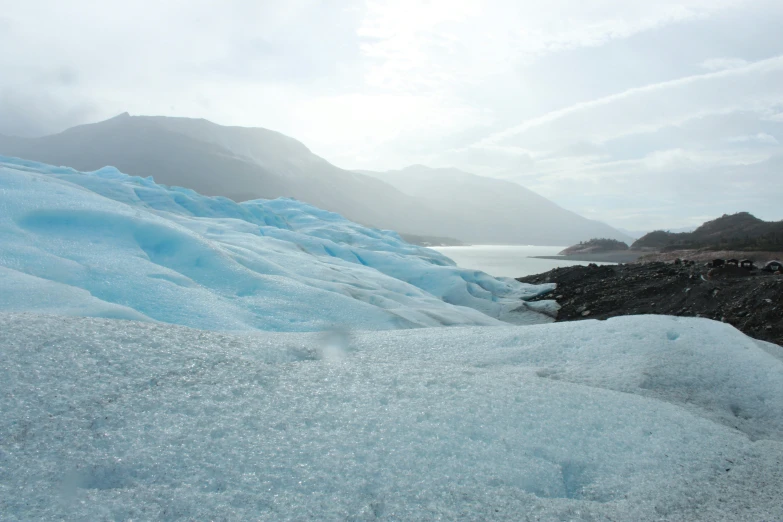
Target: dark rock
x,y
750,300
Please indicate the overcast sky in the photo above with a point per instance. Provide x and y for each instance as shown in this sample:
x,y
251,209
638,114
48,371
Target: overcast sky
x,y
643,114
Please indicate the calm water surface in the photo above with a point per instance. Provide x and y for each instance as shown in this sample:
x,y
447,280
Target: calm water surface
x,y
507,260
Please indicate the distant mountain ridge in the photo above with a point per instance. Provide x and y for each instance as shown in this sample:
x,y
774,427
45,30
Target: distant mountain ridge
x,y
235,162
740,231
496,211
249,163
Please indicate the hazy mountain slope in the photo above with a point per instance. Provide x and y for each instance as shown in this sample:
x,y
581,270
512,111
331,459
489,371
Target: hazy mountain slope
x,y
635,234
249,163
308,177
481,209
142,148
236,162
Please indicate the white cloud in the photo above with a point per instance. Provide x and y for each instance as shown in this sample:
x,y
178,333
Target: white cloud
x,y
359,124
429,45
648,108
720,64
761,137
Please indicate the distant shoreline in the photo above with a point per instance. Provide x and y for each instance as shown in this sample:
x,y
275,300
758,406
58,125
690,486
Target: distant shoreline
x,y
619,256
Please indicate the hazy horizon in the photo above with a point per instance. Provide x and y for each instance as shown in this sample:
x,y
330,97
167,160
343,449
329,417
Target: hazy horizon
x,y
640,115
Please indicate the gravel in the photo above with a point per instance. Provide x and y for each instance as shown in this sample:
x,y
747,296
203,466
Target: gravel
x,y
751,301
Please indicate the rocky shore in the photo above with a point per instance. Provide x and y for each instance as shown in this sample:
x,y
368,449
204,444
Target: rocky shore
x,y
751,301
614,256
702,256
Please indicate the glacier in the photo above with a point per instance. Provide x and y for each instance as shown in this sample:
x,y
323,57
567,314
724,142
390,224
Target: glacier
x,y
170,356
104,244
634,418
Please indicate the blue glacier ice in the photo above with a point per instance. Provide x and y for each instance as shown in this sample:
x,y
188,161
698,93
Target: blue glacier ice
x,y
105,244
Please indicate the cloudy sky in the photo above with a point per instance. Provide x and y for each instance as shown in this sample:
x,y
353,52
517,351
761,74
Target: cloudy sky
x,y
642,114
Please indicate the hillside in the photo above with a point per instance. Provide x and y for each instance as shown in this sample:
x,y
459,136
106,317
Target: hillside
x,y
741,231
595,246
235,162
250,163
478,209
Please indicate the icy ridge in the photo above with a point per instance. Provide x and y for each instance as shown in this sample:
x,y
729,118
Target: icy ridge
x,y
106,244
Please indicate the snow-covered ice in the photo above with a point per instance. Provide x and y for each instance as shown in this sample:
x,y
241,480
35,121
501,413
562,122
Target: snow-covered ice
x,y
635,418
105,244
339,410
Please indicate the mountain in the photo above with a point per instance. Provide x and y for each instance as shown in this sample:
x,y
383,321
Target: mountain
x,y
636,234
235,162
478,209
250,163
595,246
740,231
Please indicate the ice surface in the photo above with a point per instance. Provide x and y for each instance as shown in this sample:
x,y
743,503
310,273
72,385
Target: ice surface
x,y
109,245
635,418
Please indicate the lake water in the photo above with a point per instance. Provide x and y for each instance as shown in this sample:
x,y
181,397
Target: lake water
x,y
507,260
